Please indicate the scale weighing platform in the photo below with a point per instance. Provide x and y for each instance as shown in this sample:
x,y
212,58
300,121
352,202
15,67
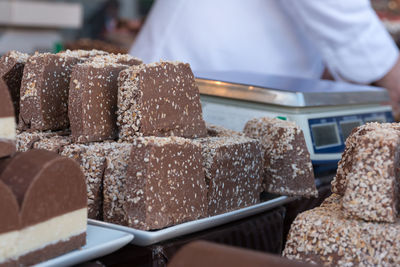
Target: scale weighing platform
x,y
326,111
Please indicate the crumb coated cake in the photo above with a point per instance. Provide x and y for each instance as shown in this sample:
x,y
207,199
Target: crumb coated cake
x,y
44,92
52,212
159,99
26,140
233,169
219,131
345,164
164,184
324,235
93,98
92,161
11,70
7,122
288,169
114,197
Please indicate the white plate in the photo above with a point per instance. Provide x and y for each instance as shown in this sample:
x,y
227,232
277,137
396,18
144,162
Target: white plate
x,y
146,238
100,241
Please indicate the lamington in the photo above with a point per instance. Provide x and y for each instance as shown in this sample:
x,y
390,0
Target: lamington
x,y
345,164
371,192
159,99
164,184
11,70
219,131
287,167
93,98
233,171
324,235
7,122
50,194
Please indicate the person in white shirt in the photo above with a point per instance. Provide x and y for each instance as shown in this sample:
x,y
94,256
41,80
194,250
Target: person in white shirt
x,y
302,38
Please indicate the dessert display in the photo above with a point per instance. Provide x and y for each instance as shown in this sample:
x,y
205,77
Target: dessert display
x,y
151,95
287,168
43,207
7,122
358,224
11,69
93,97
138,135
227,163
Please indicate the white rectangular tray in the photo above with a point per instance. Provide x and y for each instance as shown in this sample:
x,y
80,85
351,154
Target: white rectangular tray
x,y
100,241
146,238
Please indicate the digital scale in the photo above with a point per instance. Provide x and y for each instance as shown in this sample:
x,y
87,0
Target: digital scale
x,y
326,111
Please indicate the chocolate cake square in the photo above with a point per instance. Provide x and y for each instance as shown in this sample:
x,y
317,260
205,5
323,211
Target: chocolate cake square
x,y
287,166
159,99
325,236
345,165
44,92
114,197
233,169
92,161
11,70
372,184
164,184
219,131
93,99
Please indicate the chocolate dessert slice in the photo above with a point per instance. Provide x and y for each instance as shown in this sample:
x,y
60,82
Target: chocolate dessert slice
x,y
9,225
159,99
92,160
287,167
372,184
26,140
11,70
164,184
7,122
50,192
233,168
325,236
93,98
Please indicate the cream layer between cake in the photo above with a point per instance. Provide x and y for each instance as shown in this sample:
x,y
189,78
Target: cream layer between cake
x,y
37,236
7,128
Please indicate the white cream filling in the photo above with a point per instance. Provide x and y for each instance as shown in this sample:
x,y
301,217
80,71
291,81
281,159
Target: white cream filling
x,y
61,228
7,128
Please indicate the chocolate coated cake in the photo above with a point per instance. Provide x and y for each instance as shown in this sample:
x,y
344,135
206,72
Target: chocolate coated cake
x,y
47,192
7,122
93,98
233,169
11,70
159,99
326,236
287,167
164,184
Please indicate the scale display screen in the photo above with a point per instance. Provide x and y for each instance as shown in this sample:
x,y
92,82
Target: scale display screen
x,y
329,134
348,126
325,134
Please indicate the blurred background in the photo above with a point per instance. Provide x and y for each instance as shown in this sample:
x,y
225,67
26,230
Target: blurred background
x,y
111,25
51,26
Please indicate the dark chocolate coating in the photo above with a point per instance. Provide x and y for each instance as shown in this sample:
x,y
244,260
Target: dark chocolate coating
x,y
45,185
9,210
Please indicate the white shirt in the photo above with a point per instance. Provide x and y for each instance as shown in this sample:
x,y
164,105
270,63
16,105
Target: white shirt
x,y
284,37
